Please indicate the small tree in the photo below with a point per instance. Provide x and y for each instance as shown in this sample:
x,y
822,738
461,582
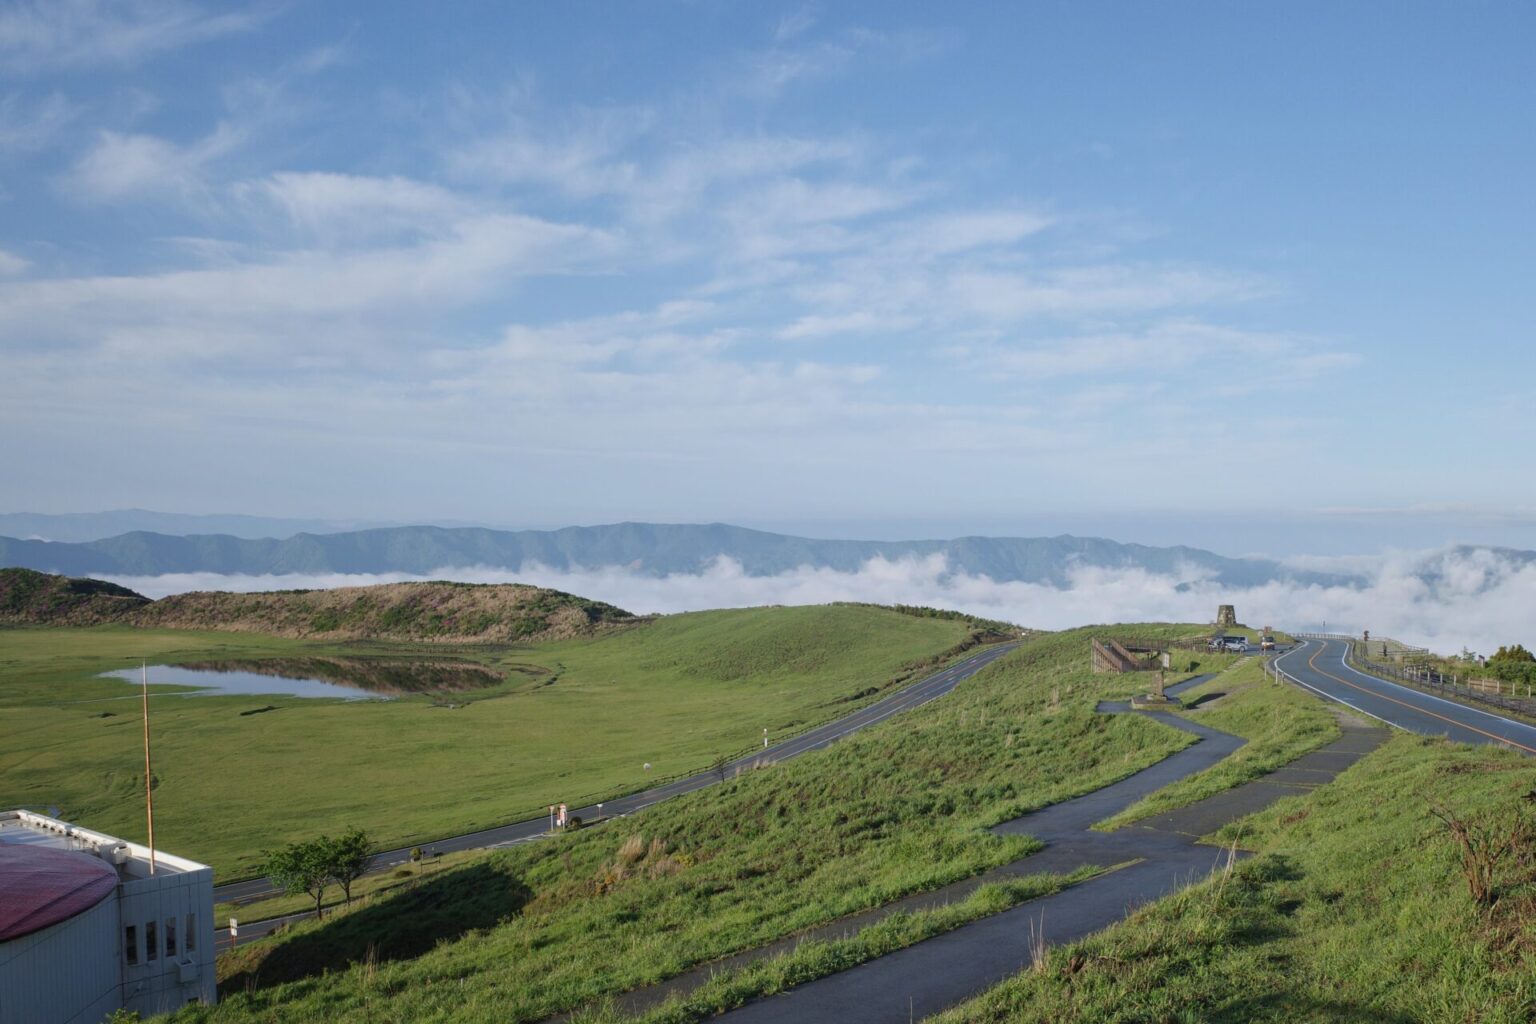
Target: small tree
x,y
302,867
720,766
1516,653
349,857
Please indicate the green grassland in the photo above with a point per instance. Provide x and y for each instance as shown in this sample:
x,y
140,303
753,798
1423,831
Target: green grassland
x,y
575,721
1280,724
902,808
369,887
1355,910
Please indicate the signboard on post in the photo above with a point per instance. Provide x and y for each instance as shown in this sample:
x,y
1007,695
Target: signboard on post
x,y
562,818
1167,660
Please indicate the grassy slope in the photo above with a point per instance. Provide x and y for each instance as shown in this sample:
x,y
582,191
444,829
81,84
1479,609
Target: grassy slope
x,y
883,814
1355,910
1280,723
438,611
674,693
37,597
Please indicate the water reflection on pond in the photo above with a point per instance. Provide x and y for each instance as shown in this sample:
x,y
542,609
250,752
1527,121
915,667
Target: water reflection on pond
x,y
345,678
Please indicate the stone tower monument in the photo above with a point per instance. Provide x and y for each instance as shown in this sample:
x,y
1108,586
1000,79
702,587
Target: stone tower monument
x,y
1226,615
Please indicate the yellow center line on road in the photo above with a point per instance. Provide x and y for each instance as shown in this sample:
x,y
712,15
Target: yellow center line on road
x,y
1312,664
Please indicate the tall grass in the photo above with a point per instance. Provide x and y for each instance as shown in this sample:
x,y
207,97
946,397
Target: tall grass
x,y
883,814
1355,910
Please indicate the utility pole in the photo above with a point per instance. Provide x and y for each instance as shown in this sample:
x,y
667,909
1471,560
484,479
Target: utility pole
x,y
149,791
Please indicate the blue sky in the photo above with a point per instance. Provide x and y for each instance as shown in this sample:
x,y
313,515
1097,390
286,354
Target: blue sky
x,y
882,269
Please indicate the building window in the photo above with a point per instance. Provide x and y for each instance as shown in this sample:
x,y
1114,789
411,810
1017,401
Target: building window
x,y
170,937
189,940
131,945
151,941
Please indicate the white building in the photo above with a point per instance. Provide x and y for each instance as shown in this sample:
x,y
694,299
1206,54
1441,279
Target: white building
x,y
86,928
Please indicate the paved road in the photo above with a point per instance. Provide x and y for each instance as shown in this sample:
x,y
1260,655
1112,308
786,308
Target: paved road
x,y
1320,666
906,699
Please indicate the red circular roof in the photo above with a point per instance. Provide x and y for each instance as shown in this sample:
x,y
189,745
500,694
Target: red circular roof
x,y
40,887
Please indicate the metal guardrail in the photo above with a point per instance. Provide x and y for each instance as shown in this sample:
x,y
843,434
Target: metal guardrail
x,y
1421,677
1426,677
1395,647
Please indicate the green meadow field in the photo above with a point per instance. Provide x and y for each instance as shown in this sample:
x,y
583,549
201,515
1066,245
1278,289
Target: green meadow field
x,y
897,809
1353,908
574,721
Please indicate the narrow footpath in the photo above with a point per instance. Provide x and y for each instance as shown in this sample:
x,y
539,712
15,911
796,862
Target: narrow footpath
x,y
1160,856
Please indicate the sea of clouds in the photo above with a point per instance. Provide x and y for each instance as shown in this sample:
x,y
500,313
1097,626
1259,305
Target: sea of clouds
x,y
1447,600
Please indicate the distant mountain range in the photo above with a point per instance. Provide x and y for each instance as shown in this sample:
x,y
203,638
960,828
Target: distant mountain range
x,y
648,548
83,526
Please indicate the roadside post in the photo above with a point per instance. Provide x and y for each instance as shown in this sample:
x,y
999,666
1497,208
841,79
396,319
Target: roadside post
x,y
765,737
234,932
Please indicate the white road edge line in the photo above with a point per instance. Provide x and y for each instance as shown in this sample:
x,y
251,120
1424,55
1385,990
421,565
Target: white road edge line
x,y
1343,663
1328,696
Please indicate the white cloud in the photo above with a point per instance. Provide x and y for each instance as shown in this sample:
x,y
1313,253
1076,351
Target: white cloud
x,y
965,230
1478,599
1016,295
27,125
128,167
11,264
292,300
580,160
799,201
1146,355
342,208
857,322
413,304
791,25
47,34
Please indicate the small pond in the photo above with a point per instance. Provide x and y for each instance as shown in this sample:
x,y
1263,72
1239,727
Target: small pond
x,y
344,678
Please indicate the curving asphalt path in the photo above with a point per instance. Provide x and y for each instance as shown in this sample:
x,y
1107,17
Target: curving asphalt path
x,y
1161,854
916,695
1322,667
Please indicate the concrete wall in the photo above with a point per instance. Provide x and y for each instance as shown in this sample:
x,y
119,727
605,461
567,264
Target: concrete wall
x,y
179,974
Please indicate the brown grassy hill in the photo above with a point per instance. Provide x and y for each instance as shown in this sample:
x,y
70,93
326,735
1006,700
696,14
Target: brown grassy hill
x,y
443,612
39,598
457,612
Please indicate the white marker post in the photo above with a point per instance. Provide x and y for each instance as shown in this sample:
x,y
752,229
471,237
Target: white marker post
x,y
234,932
765,737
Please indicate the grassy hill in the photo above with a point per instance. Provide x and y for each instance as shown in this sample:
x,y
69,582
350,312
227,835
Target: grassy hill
x,y
570,720
881,814
36,598
439,612
1355,909
1355,888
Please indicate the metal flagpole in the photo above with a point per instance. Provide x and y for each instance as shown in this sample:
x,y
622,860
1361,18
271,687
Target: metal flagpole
x,y
149,795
